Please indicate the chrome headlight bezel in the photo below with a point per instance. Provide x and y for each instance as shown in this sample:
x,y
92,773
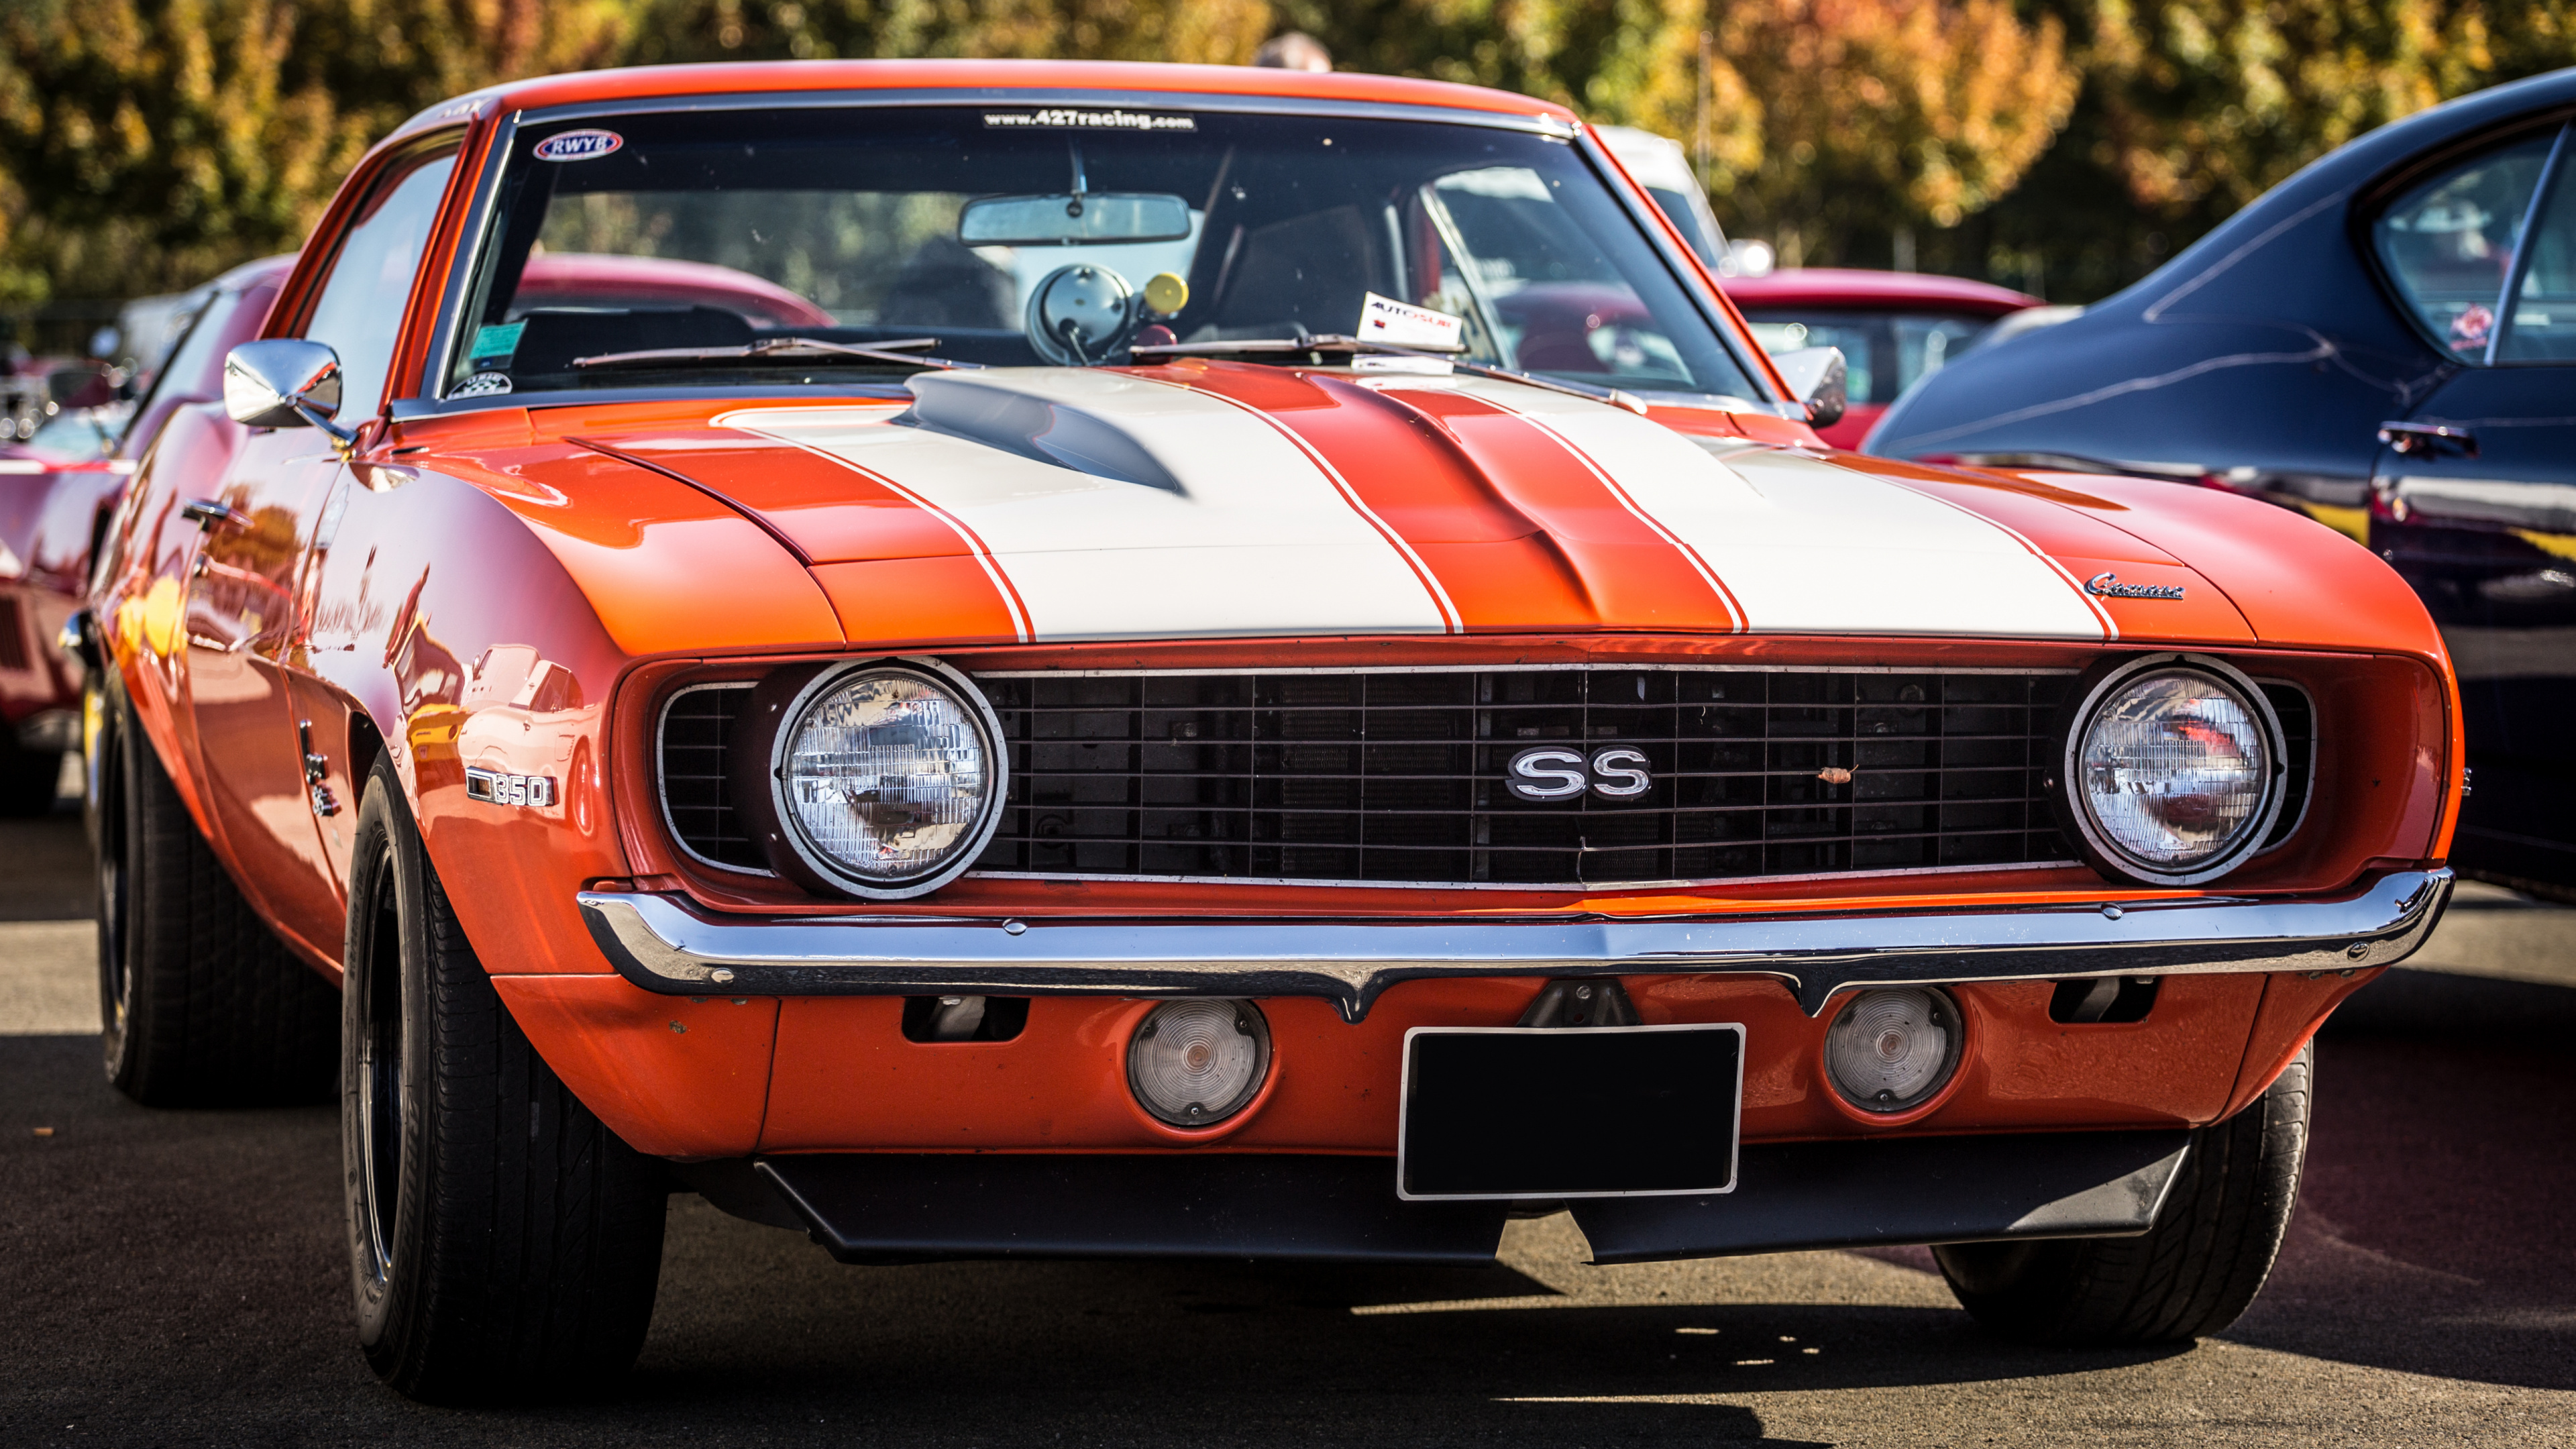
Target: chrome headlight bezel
x,y
819,866
2101,687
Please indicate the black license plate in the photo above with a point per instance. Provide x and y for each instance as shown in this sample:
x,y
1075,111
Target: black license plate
x,y
1545,1112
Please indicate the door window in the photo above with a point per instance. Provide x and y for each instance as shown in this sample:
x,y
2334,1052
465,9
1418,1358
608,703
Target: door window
x,y
2449,243
360,310
2543,325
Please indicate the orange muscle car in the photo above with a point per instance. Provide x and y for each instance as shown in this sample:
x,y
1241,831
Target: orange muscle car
x,y
1050,669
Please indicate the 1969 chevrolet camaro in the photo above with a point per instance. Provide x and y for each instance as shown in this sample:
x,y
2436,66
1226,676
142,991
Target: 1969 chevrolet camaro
x,y
1186,683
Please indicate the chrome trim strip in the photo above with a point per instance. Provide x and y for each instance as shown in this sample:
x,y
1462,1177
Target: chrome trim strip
x,y
1594,665
453,301
664,943
1706,883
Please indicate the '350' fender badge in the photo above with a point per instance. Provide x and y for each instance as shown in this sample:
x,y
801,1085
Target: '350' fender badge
x,y
534,791
2109,586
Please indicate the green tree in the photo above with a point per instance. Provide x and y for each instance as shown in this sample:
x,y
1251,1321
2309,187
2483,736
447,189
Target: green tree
x,y
2191,108
145,144
1870,116
1221,32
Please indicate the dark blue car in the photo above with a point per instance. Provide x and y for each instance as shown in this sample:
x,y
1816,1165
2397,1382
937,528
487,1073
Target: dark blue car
x,y
2386,342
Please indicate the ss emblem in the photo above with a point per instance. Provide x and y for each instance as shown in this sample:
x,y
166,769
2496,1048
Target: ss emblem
x,y
1556,772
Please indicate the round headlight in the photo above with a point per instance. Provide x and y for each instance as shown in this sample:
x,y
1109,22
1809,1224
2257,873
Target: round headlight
x,y
888,778
1196,1063
1890,1051
2174,775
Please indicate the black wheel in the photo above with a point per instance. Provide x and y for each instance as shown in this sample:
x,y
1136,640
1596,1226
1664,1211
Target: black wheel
x,y
202,1005
2192,1274
504,1244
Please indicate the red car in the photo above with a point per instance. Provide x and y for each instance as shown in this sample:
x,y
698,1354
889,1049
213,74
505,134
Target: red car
x,y
1284,680
1894,328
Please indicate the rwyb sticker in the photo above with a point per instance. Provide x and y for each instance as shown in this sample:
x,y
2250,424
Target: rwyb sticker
x,y
587,145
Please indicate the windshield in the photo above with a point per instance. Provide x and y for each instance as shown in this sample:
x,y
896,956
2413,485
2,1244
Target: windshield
x,y
1029,236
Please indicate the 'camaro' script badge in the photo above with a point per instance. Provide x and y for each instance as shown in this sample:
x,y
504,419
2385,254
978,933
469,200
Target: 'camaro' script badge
x,y
2110,587
1556,772
529,790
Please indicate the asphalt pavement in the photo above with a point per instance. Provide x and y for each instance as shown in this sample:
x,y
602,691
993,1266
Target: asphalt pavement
x,y
179,1278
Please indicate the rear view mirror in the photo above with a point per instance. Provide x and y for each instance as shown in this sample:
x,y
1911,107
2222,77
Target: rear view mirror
x,y
1815,378
284,382
1073,217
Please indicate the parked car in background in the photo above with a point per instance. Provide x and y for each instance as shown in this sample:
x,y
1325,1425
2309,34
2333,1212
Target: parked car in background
x,y
1894,328
2386,342
1284,680
60,488
58,492
1662,167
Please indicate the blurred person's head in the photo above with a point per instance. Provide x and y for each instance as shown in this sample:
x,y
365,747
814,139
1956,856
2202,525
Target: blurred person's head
x,y
1293,50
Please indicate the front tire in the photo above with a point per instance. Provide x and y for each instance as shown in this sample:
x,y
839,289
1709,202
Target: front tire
x,y
2192,1274
202,1006
504,1244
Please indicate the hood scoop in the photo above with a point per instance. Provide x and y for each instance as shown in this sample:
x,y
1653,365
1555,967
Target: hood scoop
x,y
1037,427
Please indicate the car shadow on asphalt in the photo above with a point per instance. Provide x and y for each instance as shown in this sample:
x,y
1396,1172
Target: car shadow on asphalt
x,y
182,1275
2432,1233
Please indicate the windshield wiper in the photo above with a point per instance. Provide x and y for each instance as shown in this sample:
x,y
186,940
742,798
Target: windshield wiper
x,y
1334,342
789,348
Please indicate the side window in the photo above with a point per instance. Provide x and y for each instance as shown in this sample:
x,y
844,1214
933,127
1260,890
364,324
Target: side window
x,y
2448,244
2543,325
360,310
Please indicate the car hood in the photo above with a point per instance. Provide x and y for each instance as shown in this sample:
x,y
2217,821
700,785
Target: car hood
x,y
1206,500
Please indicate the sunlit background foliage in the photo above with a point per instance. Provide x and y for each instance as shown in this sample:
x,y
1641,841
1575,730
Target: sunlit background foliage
x,y
2066,146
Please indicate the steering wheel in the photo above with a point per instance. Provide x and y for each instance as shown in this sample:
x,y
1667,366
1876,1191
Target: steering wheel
x,y
1081,314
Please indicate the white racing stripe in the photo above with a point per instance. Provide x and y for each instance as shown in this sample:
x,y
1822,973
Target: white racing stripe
x,y
1805,546
1255,539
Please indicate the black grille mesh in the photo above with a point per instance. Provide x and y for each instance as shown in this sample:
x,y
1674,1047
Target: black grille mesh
x,y
2299,734
697,730
1400,776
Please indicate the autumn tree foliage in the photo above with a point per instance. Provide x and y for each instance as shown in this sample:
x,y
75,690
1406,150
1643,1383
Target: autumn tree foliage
x,y
1863,116
146,143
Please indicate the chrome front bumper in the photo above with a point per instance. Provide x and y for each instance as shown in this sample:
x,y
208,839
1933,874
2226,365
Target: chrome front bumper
x,y
667,944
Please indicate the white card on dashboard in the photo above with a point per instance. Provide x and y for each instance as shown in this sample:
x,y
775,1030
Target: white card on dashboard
x,y
1384,319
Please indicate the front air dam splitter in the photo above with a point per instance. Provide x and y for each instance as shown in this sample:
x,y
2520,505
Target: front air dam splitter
x,y
906,1207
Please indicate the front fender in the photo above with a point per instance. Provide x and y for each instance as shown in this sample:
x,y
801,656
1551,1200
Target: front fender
x,y
441,623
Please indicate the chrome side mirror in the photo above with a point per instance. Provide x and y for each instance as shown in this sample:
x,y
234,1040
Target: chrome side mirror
x,y
284,382
1815,378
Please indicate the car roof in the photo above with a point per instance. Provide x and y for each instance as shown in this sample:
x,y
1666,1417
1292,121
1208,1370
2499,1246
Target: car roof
x,y
1856,287
989,82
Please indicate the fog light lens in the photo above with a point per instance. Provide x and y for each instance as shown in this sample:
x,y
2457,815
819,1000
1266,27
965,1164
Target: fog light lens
x,y
1196,1063
1890,1051
2175,771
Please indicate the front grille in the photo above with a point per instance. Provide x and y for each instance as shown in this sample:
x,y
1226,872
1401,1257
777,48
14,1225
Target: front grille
x,y
2299,736
1400,776
696,735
